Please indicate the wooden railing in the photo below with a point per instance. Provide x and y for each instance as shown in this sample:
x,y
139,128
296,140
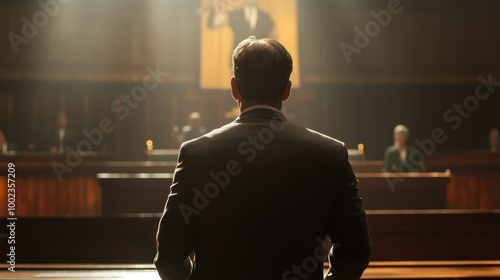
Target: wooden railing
x,y
397,235
475,183
40,191
384,191
376,270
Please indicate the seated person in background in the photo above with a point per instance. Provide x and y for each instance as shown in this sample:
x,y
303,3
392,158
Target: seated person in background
x,y
56,139
194,129
398,158
494,143
5,147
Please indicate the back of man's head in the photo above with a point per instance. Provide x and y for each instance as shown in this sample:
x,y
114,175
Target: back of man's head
x,y
262,69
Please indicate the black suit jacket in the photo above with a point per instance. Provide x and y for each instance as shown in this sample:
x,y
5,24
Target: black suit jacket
x,y
253,200
51,138
393,162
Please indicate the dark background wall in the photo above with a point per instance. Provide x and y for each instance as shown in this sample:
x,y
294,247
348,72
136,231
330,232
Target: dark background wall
x,y
423,62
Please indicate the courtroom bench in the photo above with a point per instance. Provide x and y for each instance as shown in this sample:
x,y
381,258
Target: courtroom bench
x,y
146,192
75,191
124,193
476,178
386,191
376,270
366,166
397,235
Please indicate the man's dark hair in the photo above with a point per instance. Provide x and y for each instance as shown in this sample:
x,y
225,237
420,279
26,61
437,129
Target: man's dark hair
x,y
262,69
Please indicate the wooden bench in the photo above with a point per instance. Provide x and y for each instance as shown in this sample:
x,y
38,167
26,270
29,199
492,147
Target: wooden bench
x,y
403,235
124,193
397,191
40,192
146,192
433,270
376,270
476,178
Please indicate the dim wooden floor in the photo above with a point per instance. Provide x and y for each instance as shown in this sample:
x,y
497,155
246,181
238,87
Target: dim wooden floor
x,y
377,270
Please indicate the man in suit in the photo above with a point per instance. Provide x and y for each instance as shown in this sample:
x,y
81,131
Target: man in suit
x,y
59,137
255,198
401,157
244,22
194,129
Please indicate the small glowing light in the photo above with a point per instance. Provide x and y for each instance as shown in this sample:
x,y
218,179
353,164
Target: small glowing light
x,y
361,147
149,145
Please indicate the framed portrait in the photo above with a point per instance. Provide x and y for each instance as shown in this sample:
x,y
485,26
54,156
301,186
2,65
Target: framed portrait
x,y
225,23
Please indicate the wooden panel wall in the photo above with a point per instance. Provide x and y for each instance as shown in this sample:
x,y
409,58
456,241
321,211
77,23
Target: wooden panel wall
x,y
42,195
426,59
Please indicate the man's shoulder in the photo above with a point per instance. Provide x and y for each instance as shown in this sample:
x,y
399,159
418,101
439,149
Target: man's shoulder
x,y
207,135
293,132
323,137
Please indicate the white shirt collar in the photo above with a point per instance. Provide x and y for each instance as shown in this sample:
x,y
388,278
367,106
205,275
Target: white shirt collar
x,y
251,16
259,107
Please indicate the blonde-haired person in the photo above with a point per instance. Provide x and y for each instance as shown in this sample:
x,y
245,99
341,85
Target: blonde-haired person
x,y
402,157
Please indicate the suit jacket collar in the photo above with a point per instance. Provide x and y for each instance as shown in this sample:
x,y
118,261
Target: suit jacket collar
x,y
261,113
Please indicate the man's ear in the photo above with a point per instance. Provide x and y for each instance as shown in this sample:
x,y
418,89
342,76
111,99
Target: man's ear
x,y
287,92
234,89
